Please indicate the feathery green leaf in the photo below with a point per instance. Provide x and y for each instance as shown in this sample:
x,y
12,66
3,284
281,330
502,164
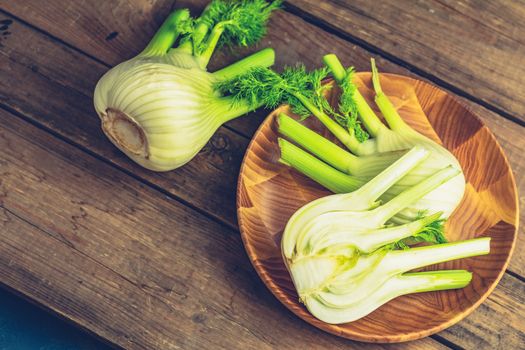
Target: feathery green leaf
x,y
347,115
244,21
432,233
266,87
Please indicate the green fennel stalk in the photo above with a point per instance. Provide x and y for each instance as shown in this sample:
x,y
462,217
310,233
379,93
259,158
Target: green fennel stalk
x,y
366,158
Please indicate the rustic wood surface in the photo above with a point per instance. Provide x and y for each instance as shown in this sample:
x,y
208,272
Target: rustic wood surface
x,y
475,46
270,192
42,68
52,54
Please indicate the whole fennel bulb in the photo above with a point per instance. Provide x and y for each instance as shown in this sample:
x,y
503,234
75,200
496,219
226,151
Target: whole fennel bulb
x,y
160,108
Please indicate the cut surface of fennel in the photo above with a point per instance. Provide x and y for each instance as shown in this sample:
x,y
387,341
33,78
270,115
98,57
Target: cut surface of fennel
x,y
356,215
339,251
342,288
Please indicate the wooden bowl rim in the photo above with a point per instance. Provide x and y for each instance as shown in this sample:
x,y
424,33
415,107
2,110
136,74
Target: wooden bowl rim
x,y
406,336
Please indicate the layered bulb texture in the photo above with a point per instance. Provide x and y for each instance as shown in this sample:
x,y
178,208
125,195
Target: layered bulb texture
x,y
343,257
161,107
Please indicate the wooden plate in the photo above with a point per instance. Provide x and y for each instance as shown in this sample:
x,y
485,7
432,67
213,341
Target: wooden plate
x,y
269,193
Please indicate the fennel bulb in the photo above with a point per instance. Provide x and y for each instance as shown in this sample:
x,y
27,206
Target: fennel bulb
x,y
161,107
357,219
339,251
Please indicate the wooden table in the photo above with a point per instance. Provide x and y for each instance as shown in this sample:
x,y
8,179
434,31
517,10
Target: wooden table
x,y
154,260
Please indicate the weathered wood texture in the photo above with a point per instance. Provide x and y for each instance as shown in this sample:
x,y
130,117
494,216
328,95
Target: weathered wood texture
x,y
133,22
44,63
53,85
59,100
499,321
141,270
475,45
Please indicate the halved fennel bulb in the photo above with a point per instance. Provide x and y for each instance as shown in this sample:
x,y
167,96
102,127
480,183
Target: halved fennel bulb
x,y
340,253
357,219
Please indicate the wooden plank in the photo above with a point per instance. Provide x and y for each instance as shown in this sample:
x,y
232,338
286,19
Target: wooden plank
x,y
132,23
478,55
498,323
503,17
68,111
140,270
76,30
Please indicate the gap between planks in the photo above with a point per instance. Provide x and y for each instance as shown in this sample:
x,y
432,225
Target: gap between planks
x,y
93,154
327,27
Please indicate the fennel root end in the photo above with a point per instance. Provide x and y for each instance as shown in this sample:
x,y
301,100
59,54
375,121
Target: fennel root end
x,y
125,132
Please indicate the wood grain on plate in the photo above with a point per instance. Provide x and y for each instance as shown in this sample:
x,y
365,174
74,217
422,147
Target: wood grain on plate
x,y
270,192
474,45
